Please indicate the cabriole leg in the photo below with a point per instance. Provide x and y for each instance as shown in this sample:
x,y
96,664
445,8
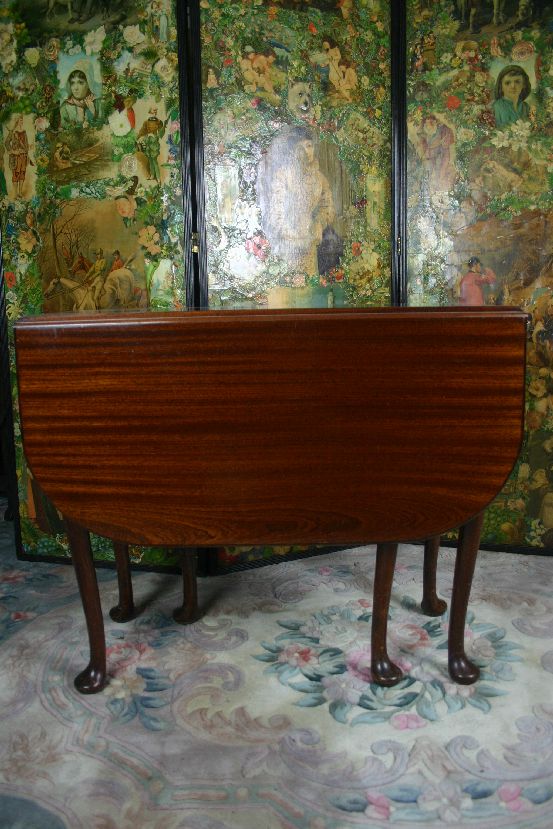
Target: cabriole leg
x,y
431,604
125,610
189,611
93,678
383,671
461,669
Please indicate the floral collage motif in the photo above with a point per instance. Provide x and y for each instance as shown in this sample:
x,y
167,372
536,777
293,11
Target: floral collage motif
x,y
480,203
90,176
296,108
296,112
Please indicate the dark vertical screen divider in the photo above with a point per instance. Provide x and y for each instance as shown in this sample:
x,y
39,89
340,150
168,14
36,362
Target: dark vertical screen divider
x,y
399,153
187,158
6,415
193,80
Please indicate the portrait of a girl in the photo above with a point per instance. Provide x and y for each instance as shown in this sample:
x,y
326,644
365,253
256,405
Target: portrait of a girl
x,y
511,90
81,107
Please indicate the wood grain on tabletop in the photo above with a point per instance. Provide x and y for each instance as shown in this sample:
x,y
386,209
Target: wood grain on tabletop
x,y
341,426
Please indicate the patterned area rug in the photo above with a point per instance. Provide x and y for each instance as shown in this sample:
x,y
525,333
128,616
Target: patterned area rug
x,y
263,714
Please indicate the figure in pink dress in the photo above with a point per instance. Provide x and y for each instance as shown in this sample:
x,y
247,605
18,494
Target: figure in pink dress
x,y
471,292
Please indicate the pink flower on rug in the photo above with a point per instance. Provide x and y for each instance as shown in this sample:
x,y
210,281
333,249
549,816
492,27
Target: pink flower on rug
x,y
297,656
12,577
452,689
343,688
325,571
125,654
125,687
358,663
482,648
407,722
21,616
409,636
509,794
468,633
379,806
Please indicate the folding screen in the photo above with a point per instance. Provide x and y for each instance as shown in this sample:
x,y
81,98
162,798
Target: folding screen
x,y
480,204
288,108
91,179
296,129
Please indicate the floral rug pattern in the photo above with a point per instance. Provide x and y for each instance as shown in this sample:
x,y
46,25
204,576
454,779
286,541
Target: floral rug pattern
x,y
304,658
264,715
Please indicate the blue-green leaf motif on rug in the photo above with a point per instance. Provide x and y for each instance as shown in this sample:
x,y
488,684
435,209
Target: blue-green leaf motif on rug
x,y
325,661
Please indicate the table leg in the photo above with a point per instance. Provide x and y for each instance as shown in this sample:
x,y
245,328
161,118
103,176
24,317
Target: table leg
x,y
125,610
383,671
93,678
189,611
431,604
461,669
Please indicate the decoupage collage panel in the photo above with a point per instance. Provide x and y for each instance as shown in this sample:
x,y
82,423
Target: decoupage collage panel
x,y
90,178
297,125
480,203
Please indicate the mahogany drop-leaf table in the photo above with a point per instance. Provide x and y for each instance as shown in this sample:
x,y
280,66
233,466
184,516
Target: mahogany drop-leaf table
x,y
333,426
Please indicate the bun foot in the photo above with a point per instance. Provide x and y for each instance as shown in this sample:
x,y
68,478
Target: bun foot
x,y
90,681
462,670
433,607
123,614
386,673
186,615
